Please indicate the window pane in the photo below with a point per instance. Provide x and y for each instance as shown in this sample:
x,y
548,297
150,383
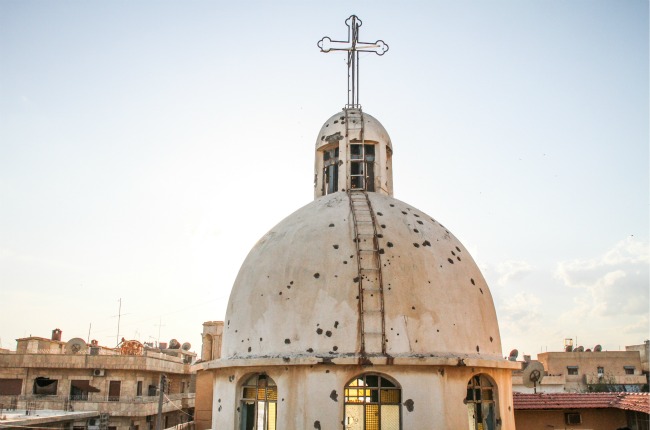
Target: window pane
x,y
353,417
272,415
372,380
272,393
390,396
386,383
389,417
372,417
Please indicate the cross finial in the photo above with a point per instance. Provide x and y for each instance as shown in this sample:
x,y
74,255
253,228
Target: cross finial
x,y
352,46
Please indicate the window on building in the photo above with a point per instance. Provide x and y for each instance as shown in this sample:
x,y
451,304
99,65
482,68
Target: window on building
x,y
572,370
331,171
372,402
11,387
45,386
481,403
79,389
572,418
362,171
629,370
138,389
259,401
114,391
601,372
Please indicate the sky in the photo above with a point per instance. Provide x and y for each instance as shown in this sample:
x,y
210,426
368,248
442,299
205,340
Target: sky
x,y
146,146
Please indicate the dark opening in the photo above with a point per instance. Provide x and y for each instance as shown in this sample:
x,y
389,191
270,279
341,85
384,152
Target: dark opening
x,y
11,387
45,386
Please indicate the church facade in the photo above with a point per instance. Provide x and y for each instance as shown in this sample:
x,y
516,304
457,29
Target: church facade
x,y
358,311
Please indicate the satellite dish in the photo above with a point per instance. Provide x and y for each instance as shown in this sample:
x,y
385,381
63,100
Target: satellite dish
x,y
579,349
598,348
76,345
513,355
568,348
174,344
186,346
533,374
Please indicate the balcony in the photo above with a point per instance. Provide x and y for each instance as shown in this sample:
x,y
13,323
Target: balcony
x,y
115,406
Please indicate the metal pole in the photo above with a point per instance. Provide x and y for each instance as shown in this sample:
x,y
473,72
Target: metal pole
x,y
160,402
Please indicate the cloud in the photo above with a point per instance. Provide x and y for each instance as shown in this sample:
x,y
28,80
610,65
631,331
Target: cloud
x,y
512,270
615,283
520,312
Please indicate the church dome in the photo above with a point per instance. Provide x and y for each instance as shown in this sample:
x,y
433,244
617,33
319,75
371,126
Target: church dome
x,y
335,127
298,293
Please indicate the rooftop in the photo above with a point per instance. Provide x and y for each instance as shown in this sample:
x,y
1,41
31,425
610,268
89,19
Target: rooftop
x,y
639,402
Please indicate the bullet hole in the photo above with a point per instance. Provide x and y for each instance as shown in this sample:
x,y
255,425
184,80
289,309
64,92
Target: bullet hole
x,y
280,293
331,224
380,214
336,324
472,281
477,348
392,205
389,288
291,283
416,341
286,360
420,222
328,333
413,307
438,330
379,235
334,396
404,213
249,349
310,350
261,339
219,408
409,405
416,230
426,243
351,256
389,244
345,262
236,331
336,122
287,341
453,253
491,339
417,215
450,261
231,378
327,371
219,400
417,245
319,331
381,251
335,348
458,249
481,290
228,322
357,297
355,280
441,371
317,425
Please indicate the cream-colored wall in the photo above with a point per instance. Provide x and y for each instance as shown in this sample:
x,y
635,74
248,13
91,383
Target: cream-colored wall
x,y
592,419
307,394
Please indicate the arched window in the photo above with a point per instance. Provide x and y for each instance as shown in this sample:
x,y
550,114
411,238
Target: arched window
x,y
259,401
481,403
331,170
372,402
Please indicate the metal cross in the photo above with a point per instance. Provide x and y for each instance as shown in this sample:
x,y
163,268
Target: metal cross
x,y
352,46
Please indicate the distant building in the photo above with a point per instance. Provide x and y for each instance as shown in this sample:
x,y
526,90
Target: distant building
x,y
594,411
121,384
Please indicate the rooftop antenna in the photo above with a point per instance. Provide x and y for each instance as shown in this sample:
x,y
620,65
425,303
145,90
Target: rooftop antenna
x,y
352,46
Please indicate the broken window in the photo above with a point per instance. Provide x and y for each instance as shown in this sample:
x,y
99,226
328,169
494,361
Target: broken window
x,y
138,389
259,403
481,403
331,171
601,372
79,389
362,166
11,387
572,370
45,386
372,402
114,391
572,418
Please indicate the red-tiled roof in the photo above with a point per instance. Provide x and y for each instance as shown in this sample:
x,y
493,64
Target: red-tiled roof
x,y
639,402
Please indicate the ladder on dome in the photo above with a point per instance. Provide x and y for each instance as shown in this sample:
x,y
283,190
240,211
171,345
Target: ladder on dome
x,y
369,280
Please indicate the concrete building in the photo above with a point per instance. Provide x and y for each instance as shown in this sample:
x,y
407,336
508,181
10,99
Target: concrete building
x,y
359,311
583,371
121,384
